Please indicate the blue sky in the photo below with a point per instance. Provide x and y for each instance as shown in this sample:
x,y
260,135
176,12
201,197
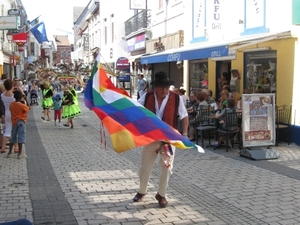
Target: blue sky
x,y
56,14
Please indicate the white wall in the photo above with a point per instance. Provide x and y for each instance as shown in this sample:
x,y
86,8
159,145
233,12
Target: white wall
x,y
167,20
121,12
277,17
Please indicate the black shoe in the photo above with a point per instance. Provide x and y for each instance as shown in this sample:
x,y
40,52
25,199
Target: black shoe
x,y
138,197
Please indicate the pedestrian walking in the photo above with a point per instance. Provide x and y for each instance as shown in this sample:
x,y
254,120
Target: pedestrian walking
x,y
7,98
18,112
167,105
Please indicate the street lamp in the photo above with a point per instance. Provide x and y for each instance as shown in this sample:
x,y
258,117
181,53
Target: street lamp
x,y
9,36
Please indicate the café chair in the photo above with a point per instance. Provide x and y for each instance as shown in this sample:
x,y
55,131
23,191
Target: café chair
x,y
205,123
230,129
283,116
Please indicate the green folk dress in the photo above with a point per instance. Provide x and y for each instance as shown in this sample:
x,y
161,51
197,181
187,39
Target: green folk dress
x,y
47,101
70,108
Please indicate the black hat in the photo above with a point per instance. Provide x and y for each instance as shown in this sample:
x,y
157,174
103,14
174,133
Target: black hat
x,y
161,78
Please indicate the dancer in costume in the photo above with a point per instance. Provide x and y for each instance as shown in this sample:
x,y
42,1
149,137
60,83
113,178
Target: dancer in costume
x,y
47,101
74,94
70,109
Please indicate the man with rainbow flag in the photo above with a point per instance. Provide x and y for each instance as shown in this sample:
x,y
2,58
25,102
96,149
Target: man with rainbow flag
x,y
167,105
130,124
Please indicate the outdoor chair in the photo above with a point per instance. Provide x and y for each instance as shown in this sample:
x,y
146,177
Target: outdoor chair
x,y
205,125
283,116
231,128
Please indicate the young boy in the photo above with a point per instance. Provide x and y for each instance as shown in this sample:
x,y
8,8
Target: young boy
x,y
18,112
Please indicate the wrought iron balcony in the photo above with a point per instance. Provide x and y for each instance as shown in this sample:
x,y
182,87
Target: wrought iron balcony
x,y
136,23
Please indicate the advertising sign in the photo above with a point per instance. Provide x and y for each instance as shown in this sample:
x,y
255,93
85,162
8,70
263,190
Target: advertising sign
x,y
9,22
258,120
122,64
138,4
85,42
135,43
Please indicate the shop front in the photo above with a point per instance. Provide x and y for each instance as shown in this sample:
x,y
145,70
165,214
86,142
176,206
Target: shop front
x,y
192,61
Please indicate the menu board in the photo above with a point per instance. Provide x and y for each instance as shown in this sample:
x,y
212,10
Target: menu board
x,y
258,120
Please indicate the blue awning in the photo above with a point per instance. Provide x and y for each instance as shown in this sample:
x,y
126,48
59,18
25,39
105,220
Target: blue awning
x,y
197,52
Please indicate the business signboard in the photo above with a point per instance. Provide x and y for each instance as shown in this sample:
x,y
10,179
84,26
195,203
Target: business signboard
x,y
258,120
9,22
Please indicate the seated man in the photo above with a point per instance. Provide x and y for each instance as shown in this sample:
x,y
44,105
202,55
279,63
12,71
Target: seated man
x,y
192,106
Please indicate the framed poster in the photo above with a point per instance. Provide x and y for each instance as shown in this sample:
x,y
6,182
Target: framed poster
x,y
258,120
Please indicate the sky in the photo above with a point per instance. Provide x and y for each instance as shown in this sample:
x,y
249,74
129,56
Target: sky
x,y
56,14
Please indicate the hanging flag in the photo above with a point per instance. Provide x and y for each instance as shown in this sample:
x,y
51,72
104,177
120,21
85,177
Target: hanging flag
x,y
39,32
128,123
34,22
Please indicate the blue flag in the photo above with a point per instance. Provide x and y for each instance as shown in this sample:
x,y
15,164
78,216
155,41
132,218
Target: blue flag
x,y
39,32
34,22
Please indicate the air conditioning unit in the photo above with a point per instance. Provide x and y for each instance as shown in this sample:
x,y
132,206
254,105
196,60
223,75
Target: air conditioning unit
x,y
148,35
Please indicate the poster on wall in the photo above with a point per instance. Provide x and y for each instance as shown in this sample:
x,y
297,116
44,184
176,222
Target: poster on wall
x,y
258,123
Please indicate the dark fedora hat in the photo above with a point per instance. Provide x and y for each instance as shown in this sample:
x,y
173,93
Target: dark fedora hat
x,y
161,79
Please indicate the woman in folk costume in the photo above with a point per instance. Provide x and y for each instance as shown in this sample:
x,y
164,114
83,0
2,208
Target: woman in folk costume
x,y
47,101
74,94
70,108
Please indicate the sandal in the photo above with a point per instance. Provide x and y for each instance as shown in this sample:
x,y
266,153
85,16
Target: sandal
x,y
43,118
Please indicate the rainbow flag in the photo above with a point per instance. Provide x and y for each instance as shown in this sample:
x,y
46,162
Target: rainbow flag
x,y
128,123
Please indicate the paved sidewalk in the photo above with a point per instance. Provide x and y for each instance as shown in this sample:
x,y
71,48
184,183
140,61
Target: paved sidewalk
x,y
69,177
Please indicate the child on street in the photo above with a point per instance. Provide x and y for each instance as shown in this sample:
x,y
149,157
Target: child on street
x,y
18,112
57,104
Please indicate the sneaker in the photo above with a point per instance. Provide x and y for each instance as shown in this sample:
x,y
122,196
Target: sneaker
x,y
54,123
22,156
43,118
59,124
9,155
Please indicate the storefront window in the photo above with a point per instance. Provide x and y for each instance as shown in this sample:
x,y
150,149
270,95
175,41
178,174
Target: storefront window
x,y
260,72
198,75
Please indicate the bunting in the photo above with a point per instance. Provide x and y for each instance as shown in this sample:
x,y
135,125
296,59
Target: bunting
x,y
128,123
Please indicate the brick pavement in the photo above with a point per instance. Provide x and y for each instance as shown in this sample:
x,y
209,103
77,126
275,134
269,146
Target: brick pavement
x,y
70,178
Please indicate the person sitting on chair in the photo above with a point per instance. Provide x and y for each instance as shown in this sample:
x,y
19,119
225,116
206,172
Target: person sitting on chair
x,y
230,107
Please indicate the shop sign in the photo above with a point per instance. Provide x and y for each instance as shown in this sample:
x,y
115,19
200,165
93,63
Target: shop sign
x,y
86,42
135,43
9,22
21,48
231,56
20,39
122,64
138,4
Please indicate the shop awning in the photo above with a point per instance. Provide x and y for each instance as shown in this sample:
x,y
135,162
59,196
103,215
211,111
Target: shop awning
x,y
186,53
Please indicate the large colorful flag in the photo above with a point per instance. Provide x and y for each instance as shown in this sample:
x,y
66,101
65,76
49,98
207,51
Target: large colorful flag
x,y
39,32
128,123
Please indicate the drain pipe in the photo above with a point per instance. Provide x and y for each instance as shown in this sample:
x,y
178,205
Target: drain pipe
x,y
166,15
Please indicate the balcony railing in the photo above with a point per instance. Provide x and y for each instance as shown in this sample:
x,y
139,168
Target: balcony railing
x,y
136,23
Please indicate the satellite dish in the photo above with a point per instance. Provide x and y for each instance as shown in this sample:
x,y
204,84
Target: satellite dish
x,y
148,35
